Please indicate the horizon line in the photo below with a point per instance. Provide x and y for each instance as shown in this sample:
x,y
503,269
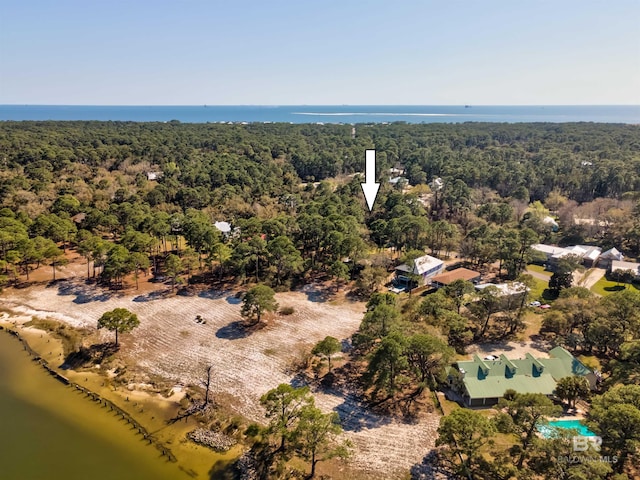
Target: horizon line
x,y
325,105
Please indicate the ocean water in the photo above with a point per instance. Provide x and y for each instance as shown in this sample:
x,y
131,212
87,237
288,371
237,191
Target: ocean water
x,y
629,114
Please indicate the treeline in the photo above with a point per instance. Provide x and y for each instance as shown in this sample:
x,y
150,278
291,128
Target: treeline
x,y
120,192
583,160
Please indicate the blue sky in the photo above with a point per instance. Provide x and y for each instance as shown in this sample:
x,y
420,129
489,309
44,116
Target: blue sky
x,y
192,52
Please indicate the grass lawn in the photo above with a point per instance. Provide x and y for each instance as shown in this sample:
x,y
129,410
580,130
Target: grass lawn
x,y
448,406
539,269
538,290
607,287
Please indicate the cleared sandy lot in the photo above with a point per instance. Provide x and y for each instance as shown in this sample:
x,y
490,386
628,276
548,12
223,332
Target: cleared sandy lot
x,y
170,343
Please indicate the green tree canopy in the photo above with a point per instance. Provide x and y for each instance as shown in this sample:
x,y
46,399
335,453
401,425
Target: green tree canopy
x,y
315,437
572,389
119,320
284,406
326,348
256,301
464,432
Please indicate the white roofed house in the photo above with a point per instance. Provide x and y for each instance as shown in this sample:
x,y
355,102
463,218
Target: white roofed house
x,y
609,256
620,266
591,256
587,253
424,267
511,294
223,227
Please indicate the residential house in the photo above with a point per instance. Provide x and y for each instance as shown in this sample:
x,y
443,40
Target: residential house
x,y
424,267
617,265
551,222
484,382
609,256
510,291
587,253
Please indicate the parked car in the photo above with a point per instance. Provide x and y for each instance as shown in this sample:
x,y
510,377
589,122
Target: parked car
x,y
535,304
490,357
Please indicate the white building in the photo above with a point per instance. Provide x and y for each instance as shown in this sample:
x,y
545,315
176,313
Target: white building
x,y
617,265
425,267
588,253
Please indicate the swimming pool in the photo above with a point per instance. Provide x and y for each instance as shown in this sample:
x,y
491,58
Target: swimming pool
x,y
551,429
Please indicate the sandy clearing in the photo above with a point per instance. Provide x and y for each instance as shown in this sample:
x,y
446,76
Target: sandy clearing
x,y
170,343
511,349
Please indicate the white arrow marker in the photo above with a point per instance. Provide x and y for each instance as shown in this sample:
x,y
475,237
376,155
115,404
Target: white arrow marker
x,y
370,187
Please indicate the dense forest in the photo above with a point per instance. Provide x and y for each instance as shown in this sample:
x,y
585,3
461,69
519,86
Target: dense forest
x,y
134,198
144,184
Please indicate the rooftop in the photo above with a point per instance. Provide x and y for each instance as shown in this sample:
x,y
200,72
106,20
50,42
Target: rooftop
x,y
224,227
512,288
620,265
612,253
583,251
491,378
458,274
421,265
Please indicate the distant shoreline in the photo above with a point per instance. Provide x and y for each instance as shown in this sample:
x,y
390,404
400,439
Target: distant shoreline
x,y
320,114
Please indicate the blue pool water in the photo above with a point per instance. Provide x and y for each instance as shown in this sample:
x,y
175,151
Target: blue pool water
x,y
549,430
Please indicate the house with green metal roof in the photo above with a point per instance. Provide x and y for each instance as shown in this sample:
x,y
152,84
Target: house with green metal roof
x,y
483,382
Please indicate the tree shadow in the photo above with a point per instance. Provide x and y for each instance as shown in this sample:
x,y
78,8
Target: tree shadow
x,y
539,342
318,294
83,293
224,470
299,380
346,345
617,288
234,299
87,356
494,347
356,416
187,291
234,331
148,297
430,468
212,294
